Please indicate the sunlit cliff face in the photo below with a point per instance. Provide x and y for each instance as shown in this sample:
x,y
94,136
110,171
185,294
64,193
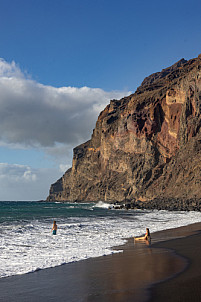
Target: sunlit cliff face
x,y
159,122
139,141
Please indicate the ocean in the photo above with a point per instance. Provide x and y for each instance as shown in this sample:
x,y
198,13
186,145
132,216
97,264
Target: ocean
x,y
85,230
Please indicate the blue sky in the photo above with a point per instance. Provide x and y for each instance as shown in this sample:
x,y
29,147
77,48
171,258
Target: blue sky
x,y
61,63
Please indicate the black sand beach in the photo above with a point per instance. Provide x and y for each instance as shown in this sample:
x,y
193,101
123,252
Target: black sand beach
x,y
185,287
164,271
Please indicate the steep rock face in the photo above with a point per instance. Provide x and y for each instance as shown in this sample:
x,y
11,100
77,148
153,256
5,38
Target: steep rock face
x,y
144,146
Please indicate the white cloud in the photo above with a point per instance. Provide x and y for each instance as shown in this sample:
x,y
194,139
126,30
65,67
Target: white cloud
x,y
29,176
64,168
21,182
33,114
16,173
10,69
48,119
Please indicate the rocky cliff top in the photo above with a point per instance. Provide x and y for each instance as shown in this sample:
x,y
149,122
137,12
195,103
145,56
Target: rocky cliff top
x,y
144,146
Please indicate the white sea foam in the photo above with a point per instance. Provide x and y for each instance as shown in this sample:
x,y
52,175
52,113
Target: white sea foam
x,y
29,246
103,205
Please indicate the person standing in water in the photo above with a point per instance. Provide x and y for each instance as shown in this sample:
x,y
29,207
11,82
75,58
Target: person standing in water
x,y
54,228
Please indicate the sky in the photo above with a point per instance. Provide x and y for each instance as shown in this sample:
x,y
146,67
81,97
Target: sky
x,y
61,62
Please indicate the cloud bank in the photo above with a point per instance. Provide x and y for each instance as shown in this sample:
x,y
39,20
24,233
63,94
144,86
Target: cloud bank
x,y
36,115
22,182
16,173
47,119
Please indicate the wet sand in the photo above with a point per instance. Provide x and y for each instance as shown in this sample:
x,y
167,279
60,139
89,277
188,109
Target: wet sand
x,y
186,287
136,274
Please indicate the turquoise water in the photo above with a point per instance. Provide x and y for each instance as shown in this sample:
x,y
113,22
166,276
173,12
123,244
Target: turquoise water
x,y
11,211
15,211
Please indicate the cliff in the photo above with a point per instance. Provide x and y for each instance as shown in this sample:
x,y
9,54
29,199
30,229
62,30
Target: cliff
x,y
144,146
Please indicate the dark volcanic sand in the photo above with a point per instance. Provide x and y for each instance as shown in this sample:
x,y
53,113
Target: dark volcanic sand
x,y
121,277
185,287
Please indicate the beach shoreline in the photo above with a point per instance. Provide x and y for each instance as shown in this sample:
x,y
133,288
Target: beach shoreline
x,y
139,273
185,286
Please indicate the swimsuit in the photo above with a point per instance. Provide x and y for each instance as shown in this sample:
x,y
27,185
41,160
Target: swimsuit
x,y
54,232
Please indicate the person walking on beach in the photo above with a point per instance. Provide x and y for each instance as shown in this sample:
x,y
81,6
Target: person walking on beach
x,y
54,228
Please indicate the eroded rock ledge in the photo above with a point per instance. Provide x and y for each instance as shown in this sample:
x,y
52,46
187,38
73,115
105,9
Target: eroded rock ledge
x,y
146,146
169,204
